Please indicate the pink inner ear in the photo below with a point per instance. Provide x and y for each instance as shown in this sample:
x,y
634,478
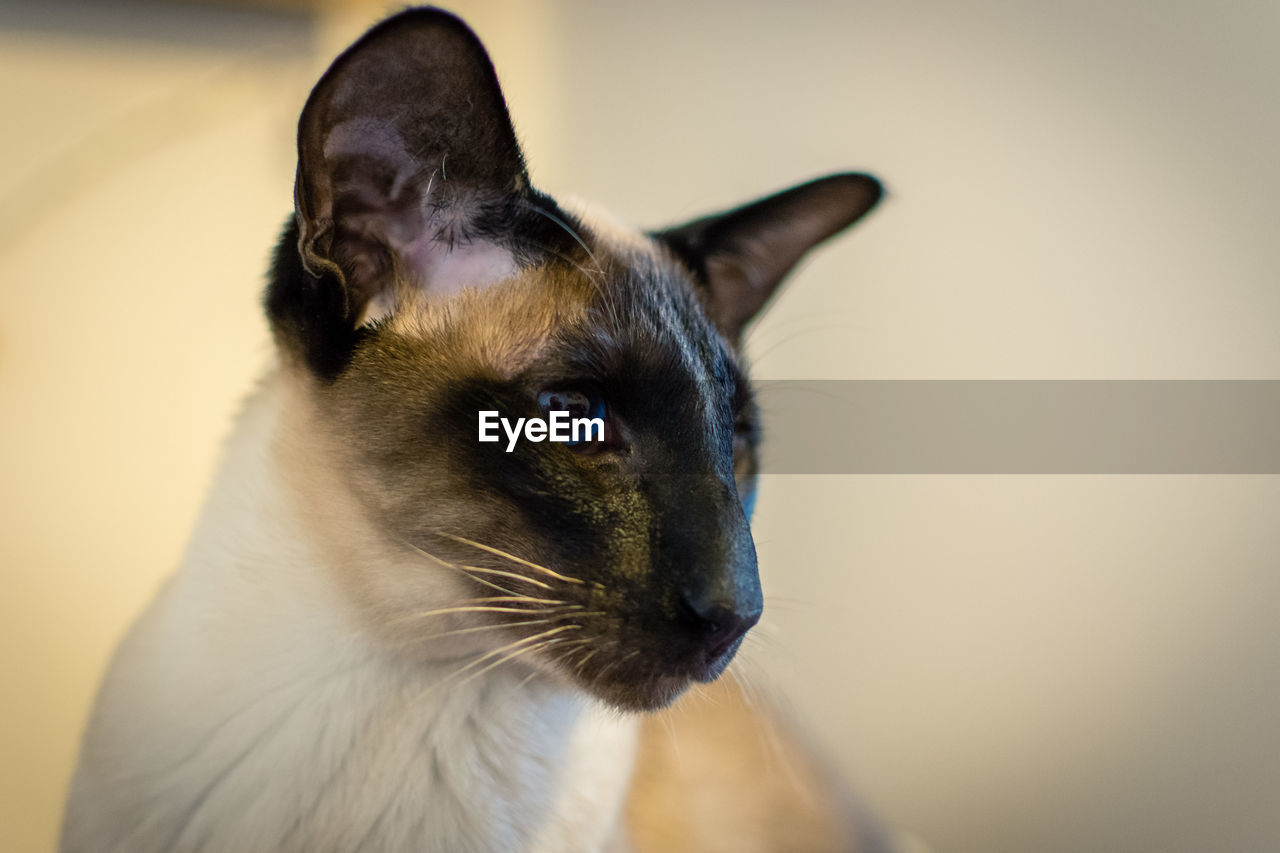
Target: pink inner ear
x,y
395,211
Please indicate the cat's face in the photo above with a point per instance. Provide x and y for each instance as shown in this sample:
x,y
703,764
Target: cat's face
x,y
424,282
652,574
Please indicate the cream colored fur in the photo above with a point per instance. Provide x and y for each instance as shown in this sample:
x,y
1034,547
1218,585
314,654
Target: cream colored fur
x,y
252,708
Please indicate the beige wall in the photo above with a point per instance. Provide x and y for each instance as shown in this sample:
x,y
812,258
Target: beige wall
x,y
1079,190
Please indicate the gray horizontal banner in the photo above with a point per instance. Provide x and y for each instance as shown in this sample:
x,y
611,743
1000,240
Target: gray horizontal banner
x,y
1020,427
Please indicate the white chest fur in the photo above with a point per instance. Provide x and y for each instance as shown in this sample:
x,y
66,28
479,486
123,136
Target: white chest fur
x,y
244,713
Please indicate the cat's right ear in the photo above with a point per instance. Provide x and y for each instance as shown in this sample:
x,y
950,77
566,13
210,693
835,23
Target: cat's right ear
x,y
740,257
409,176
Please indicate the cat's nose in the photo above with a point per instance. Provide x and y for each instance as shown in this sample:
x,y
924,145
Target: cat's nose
x,y
717,624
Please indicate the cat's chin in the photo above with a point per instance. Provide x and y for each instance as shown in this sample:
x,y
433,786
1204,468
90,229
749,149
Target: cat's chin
x,y
654,695
646,690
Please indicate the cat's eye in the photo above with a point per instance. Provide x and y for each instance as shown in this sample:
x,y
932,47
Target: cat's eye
x,y
745,437
745,432
587,424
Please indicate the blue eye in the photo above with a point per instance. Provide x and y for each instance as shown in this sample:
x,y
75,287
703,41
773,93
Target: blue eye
x,y
580,405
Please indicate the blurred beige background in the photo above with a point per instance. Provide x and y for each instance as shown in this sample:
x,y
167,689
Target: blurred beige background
x,y
1084,190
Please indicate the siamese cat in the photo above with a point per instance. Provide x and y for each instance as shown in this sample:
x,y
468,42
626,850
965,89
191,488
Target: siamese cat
x,y
388,635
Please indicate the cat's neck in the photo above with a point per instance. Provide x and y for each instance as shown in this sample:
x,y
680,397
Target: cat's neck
x,y
299,714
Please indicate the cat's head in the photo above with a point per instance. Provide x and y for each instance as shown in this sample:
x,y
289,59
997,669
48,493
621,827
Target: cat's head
x,y
423,281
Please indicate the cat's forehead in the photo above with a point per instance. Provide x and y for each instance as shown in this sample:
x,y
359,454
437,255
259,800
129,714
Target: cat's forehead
x,y
620,299
642,290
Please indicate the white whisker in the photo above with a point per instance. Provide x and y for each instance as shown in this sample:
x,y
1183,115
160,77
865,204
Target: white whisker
x,y
500,553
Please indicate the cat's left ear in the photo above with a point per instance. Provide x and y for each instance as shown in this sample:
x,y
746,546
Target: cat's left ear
x,y
741,256
408,164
